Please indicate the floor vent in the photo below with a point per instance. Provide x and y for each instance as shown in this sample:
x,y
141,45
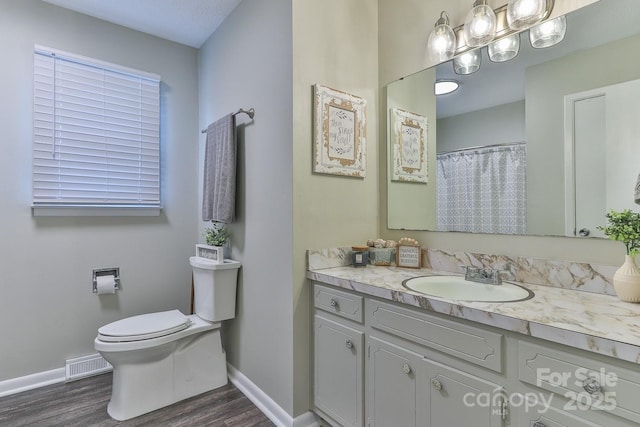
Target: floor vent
x,y
86,366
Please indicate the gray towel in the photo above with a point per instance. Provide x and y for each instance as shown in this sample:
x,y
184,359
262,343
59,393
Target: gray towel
x,y
219,181
636,196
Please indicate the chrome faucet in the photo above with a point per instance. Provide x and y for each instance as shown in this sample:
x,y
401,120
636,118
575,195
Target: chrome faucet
x,y
479,275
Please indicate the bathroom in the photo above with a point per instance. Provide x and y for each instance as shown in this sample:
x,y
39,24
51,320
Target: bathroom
x,y
266,55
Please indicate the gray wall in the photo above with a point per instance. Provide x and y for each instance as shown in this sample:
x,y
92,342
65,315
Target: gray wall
x,y
248,63
47,310
496,125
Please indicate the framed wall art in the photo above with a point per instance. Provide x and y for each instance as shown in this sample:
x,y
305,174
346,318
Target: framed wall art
x,y
408,255
409,146
339,133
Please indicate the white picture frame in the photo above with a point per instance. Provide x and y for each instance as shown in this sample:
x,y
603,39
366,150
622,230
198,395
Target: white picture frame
x,y
409,256
409,147
212,253
339,133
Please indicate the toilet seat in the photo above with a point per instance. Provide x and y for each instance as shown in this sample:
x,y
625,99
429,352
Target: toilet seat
x,y
144,327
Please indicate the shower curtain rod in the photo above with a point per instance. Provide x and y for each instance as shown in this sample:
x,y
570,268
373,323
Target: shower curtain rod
x,y
504,144
250,112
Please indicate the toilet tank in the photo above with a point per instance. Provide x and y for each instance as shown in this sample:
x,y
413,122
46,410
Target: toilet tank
x,y
214,288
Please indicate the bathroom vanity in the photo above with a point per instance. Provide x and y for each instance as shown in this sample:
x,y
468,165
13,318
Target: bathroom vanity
x,y
384,355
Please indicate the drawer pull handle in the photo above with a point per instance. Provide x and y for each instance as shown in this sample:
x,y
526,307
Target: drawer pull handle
x,y
406,368
436,384
539,424
333,303
349,344
591,386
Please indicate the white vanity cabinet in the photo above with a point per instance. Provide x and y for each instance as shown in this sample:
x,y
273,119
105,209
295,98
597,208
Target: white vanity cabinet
x,y
338,362
383,363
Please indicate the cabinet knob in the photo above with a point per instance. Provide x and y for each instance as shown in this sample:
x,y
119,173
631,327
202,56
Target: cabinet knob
x,y
436,384
584,232
591,385
333,303
406,368
349,344
539,424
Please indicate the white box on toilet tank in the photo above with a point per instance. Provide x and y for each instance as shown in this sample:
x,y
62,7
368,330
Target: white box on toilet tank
x,y
214,287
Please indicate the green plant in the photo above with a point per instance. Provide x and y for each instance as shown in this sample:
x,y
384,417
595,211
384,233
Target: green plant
x,y
217,235
624,227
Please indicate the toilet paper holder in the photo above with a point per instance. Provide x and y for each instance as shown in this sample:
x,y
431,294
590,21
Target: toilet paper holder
x,y
113,271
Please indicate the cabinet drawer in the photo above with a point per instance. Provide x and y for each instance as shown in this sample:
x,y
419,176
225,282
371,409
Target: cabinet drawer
x,y
472,344
457,398
585,383
548,416
337,302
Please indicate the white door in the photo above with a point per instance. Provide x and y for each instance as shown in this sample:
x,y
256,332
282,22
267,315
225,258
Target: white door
x,y
602,149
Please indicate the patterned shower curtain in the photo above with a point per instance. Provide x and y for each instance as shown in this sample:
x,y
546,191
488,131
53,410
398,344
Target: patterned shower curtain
x,y
483,190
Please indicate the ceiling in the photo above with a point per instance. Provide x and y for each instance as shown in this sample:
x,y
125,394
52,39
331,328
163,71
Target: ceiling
x,y
188,22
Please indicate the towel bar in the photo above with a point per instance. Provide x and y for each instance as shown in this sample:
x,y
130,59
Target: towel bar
x,y
250,112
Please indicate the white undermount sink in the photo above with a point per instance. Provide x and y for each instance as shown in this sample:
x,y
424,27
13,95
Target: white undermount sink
x,y
457,288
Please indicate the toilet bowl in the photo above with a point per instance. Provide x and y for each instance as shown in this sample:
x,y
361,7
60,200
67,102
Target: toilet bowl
x,y
161,358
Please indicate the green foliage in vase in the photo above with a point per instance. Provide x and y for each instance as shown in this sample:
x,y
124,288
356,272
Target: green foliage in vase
x,y
217,235
624,227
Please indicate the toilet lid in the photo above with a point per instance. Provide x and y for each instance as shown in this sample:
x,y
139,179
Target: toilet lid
x,y
144,326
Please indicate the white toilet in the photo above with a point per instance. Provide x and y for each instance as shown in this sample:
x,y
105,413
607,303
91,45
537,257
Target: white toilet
x,y
161,358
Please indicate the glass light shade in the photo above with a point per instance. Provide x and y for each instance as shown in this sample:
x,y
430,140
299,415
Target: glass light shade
x,y
548,33
442,41
522,14
468,62
504,49
480,25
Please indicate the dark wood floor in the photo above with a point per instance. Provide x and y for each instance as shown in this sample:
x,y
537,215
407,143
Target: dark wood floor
x,y
83,403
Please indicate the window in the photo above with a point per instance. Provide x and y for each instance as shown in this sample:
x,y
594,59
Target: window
x,y
96,136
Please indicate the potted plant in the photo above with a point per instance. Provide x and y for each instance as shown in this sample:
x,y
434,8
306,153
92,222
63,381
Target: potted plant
x,y
218,244
624,226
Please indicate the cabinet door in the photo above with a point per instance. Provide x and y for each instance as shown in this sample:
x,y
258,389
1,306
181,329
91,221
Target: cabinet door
x,y
394,379
338,369
456,398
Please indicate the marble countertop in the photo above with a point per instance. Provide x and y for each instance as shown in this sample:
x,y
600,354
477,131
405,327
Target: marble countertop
x,y
594,322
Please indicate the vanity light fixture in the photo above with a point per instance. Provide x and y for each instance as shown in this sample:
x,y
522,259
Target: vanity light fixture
x,y
480,24
523,14
548,33
504,49
483,24
442,40
468,62
443,87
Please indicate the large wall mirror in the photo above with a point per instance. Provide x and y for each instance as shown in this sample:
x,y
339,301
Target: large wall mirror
x,y
561,125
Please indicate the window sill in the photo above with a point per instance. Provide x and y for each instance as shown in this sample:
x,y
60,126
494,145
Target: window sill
x,y
56,210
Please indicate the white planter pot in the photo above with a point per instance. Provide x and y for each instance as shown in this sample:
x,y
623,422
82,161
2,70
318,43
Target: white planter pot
x,y
626,280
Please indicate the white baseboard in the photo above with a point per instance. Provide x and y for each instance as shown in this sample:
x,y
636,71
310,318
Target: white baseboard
x,y
268,406
29,382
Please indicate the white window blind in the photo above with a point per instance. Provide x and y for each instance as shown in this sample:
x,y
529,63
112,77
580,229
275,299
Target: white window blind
x,y
96,133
